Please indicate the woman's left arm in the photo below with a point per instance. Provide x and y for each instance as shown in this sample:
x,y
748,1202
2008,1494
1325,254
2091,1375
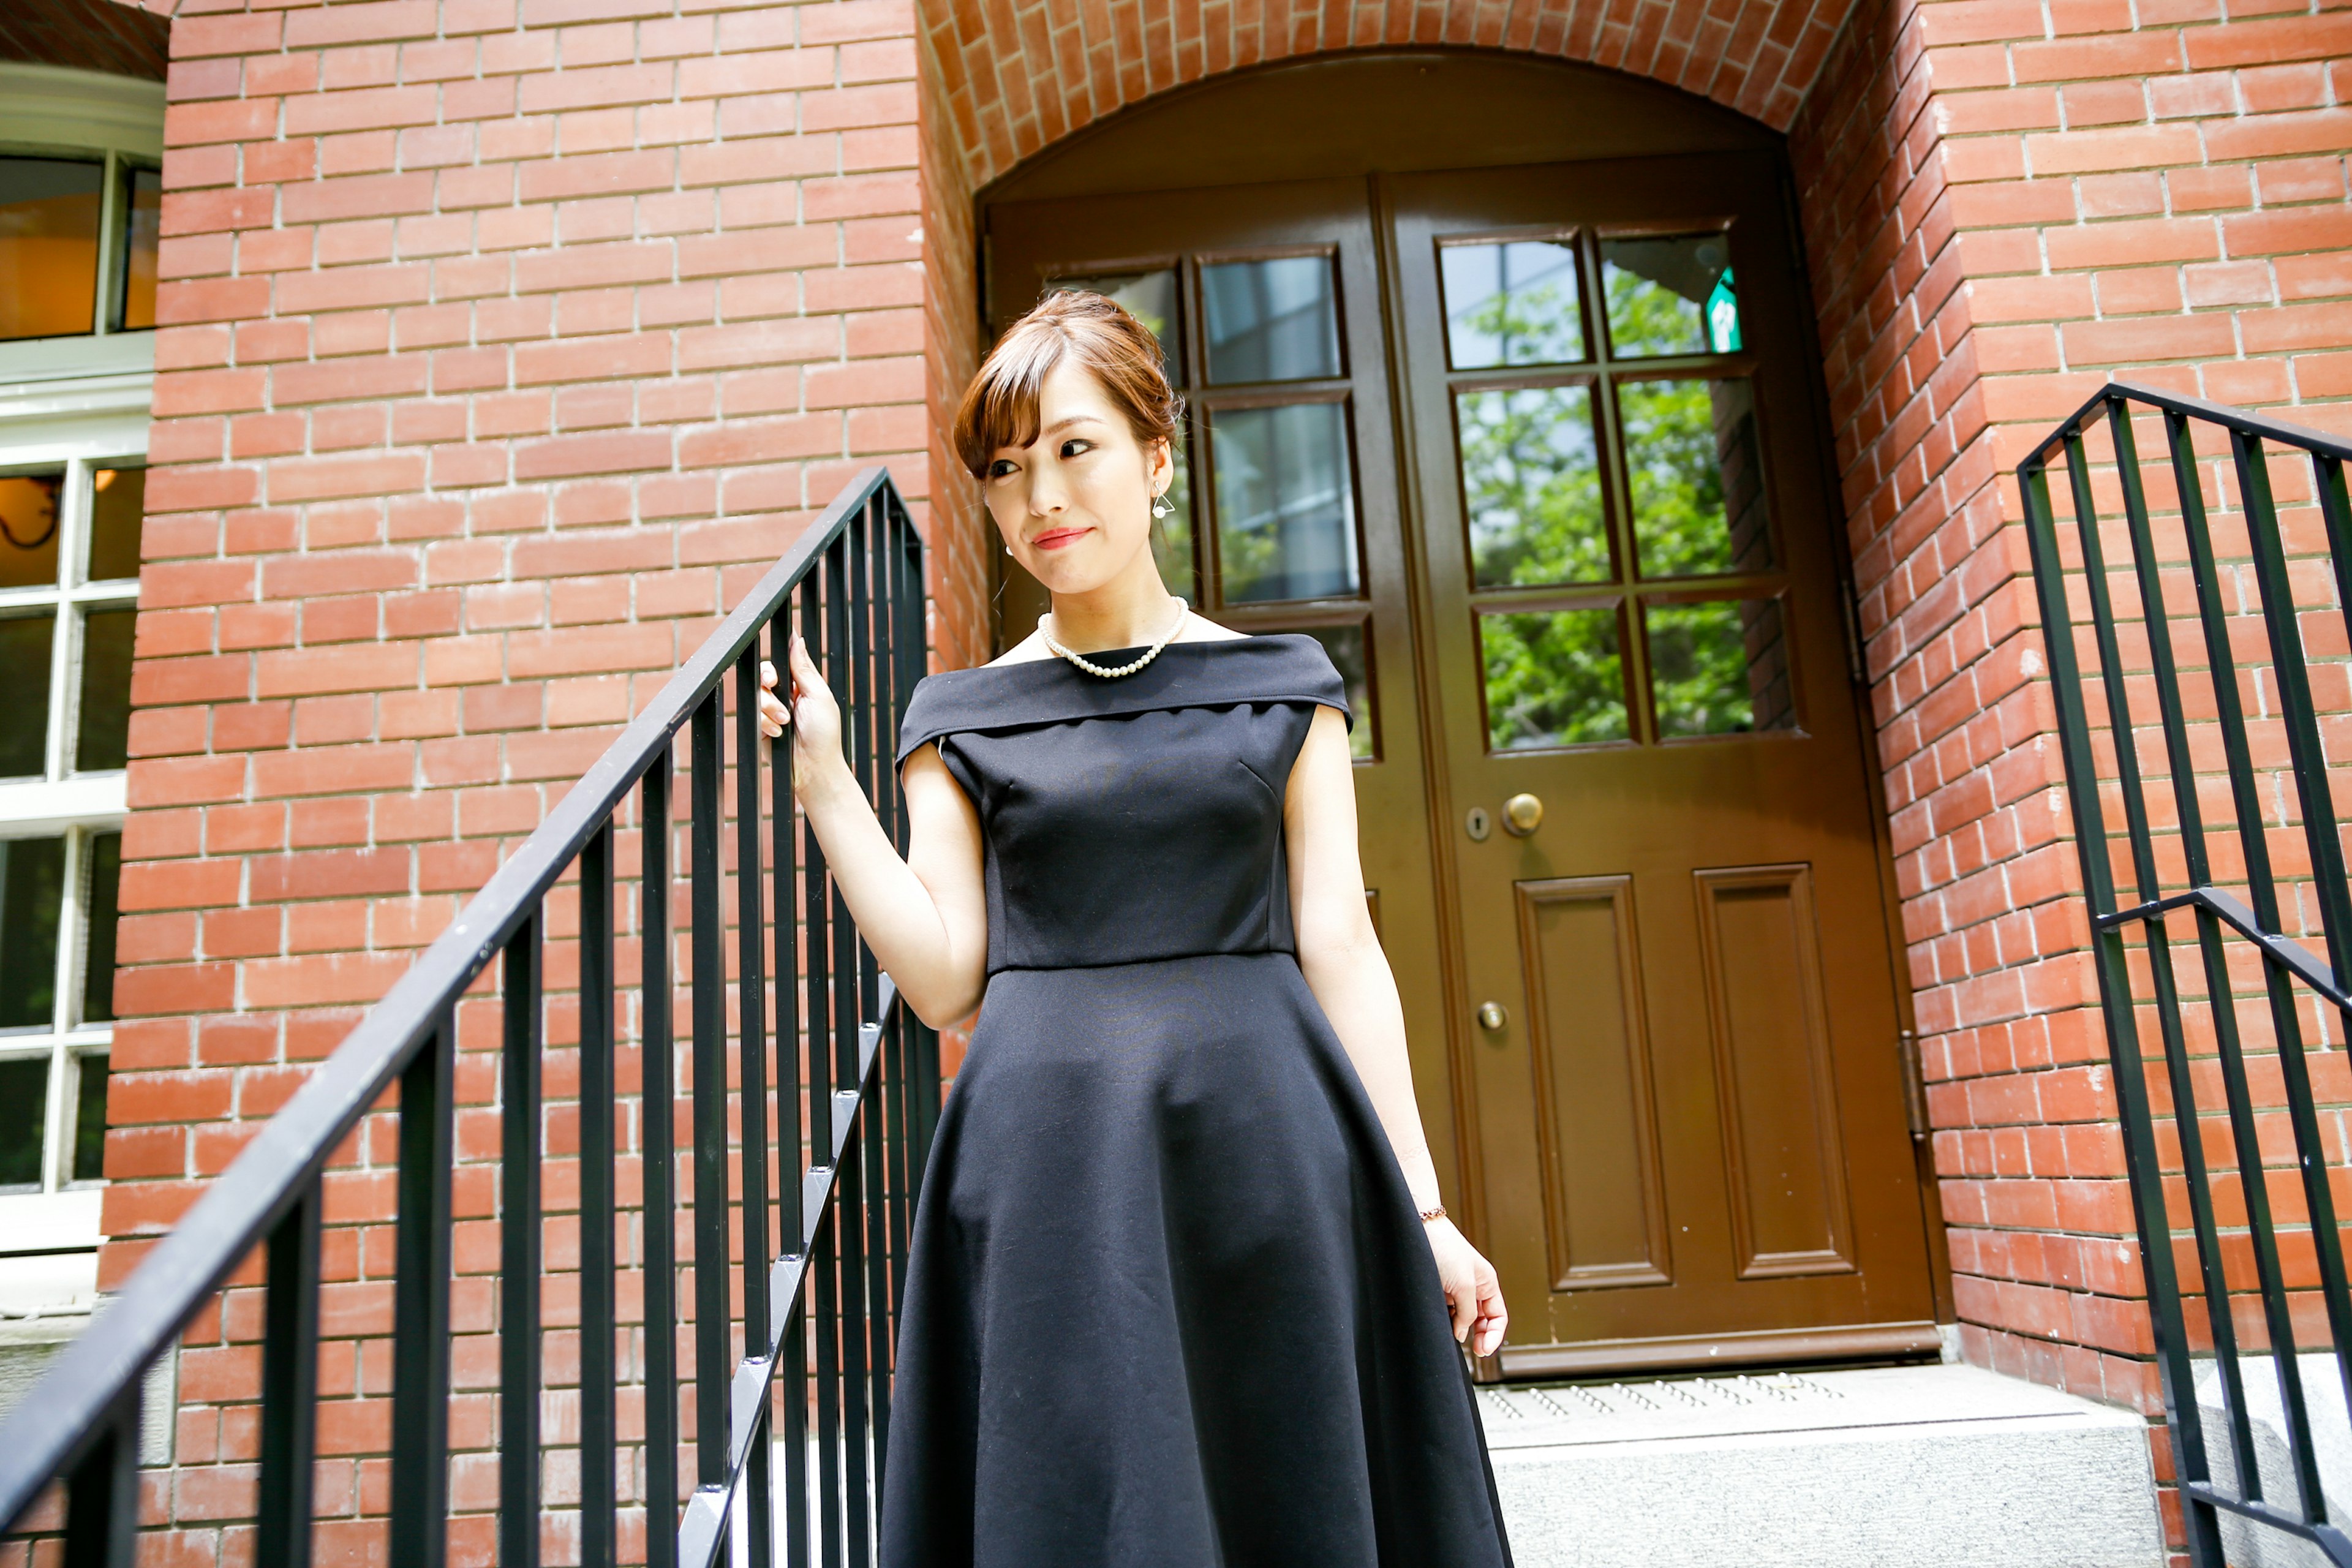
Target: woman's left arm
x,y
1340,956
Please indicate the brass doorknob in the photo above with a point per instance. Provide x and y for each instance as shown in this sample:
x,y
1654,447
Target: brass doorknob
x,y
1522,814
1491,1016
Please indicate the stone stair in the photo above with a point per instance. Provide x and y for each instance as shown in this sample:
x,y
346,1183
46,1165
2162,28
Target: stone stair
x,y
1947,1466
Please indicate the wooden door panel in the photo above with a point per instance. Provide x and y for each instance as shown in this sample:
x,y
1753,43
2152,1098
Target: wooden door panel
x,y
1604,1194
1782,1147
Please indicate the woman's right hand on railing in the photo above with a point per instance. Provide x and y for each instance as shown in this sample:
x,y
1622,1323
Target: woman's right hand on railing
x,y
812,715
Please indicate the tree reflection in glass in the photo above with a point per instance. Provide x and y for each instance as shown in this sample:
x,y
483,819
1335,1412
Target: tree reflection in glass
x,y
1692,465
1531,487
1553,679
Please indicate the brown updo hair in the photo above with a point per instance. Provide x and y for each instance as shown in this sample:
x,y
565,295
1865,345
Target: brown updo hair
x,y
999,406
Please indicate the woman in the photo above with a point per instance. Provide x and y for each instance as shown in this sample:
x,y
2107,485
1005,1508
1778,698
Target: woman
x,y
1180,1281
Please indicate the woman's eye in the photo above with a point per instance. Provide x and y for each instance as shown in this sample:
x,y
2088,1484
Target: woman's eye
x,y
998,468
1076,445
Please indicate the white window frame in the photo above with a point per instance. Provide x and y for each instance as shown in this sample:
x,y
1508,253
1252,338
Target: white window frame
x,y
79,404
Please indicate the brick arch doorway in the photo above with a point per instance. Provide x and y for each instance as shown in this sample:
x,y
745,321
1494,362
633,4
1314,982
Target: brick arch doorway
x,y
1502,385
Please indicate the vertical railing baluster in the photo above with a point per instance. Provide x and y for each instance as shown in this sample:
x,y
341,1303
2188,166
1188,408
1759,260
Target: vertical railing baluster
x,y
420,1313
2192,1458
599,1494
709,989
751,1046
657,1139
102,1492
850,647
836,1416
2143,1169
290,1384
792,1374
2132,791
2308,759
519,1252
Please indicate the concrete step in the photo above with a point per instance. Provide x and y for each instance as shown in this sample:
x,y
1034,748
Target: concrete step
x,y
1941,1467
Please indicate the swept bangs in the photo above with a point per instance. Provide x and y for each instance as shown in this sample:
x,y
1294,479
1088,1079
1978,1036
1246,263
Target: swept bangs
x,y
999,409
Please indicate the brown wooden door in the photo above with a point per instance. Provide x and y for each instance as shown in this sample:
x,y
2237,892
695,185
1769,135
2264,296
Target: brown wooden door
x,y
1688,1127
1686,1141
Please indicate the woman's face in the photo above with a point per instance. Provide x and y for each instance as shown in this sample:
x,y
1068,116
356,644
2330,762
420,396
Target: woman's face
x,y
1075,505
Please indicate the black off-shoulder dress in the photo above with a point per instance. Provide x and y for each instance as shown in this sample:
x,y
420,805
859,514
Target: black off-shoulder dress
x,y
1169,1301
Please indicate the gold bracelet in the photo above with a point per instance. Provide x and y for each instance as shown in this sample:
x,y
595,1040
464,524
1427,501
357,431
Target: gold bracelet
x,y
1431,1214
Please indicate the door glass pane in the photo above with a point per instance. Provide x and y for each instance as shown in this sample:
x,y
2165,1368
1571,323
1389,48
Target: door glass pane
x,y
1697,484
1271,321
1286,502
141,232
1531,486
32,890
49,246
30,505
104,730
103,905
1150,297
1670,294
1553,679
1511,303
24,1109
1353,657
24,717
90,1121
118,509
1721,667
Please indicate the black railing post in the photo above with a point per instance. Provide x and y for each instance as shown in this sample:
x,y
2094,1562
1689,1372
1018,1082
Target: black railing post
x,y
420,1313
102,1491
751,1042
657,1137
793,1353
290,1384
599,1499
519,1252
708,988
2144,1171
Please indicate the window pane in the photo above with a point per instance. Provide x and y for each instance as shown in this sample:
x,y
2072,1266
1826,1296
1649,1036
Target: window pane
x,y
141,232
1286,502
1670,295
49,246
104,728
1150,297
1531,486
1271,321
24,1111
117,509
1697,481
1353,656
25,718
32,889
103,906
1513,303
1719,668
90,1121
29,508
1553,679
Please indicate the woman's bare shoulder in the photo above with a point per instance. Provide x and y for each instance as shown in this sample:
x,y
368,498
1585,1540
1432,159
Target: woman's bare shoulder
x,y
1199,627
1028,650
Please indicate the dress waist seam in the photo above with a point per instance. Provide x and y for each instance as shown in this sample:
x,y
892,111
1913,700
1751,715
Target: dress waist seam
x,y
1288,952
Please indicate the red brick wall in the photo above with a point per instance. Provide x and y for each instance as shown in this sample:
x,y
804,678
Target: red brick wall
x,y
2007,205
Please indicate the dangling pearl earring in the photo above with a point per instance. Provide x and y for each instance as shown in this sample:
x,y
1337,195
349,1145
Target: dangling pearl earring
x,y
1161,505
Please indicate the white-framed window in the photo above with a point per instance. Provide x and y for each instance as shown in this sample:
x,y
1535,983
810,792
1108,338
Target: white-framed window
x,y
80,205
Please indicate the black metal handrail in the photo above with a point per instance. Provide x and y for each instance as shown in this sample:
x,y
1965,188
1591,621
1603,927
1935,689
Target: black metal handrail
x,y
804,1334
2291,973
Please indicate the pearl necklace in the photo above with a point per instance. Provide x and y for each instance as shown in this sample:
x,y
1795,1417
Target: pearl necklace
x,y
1110,672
